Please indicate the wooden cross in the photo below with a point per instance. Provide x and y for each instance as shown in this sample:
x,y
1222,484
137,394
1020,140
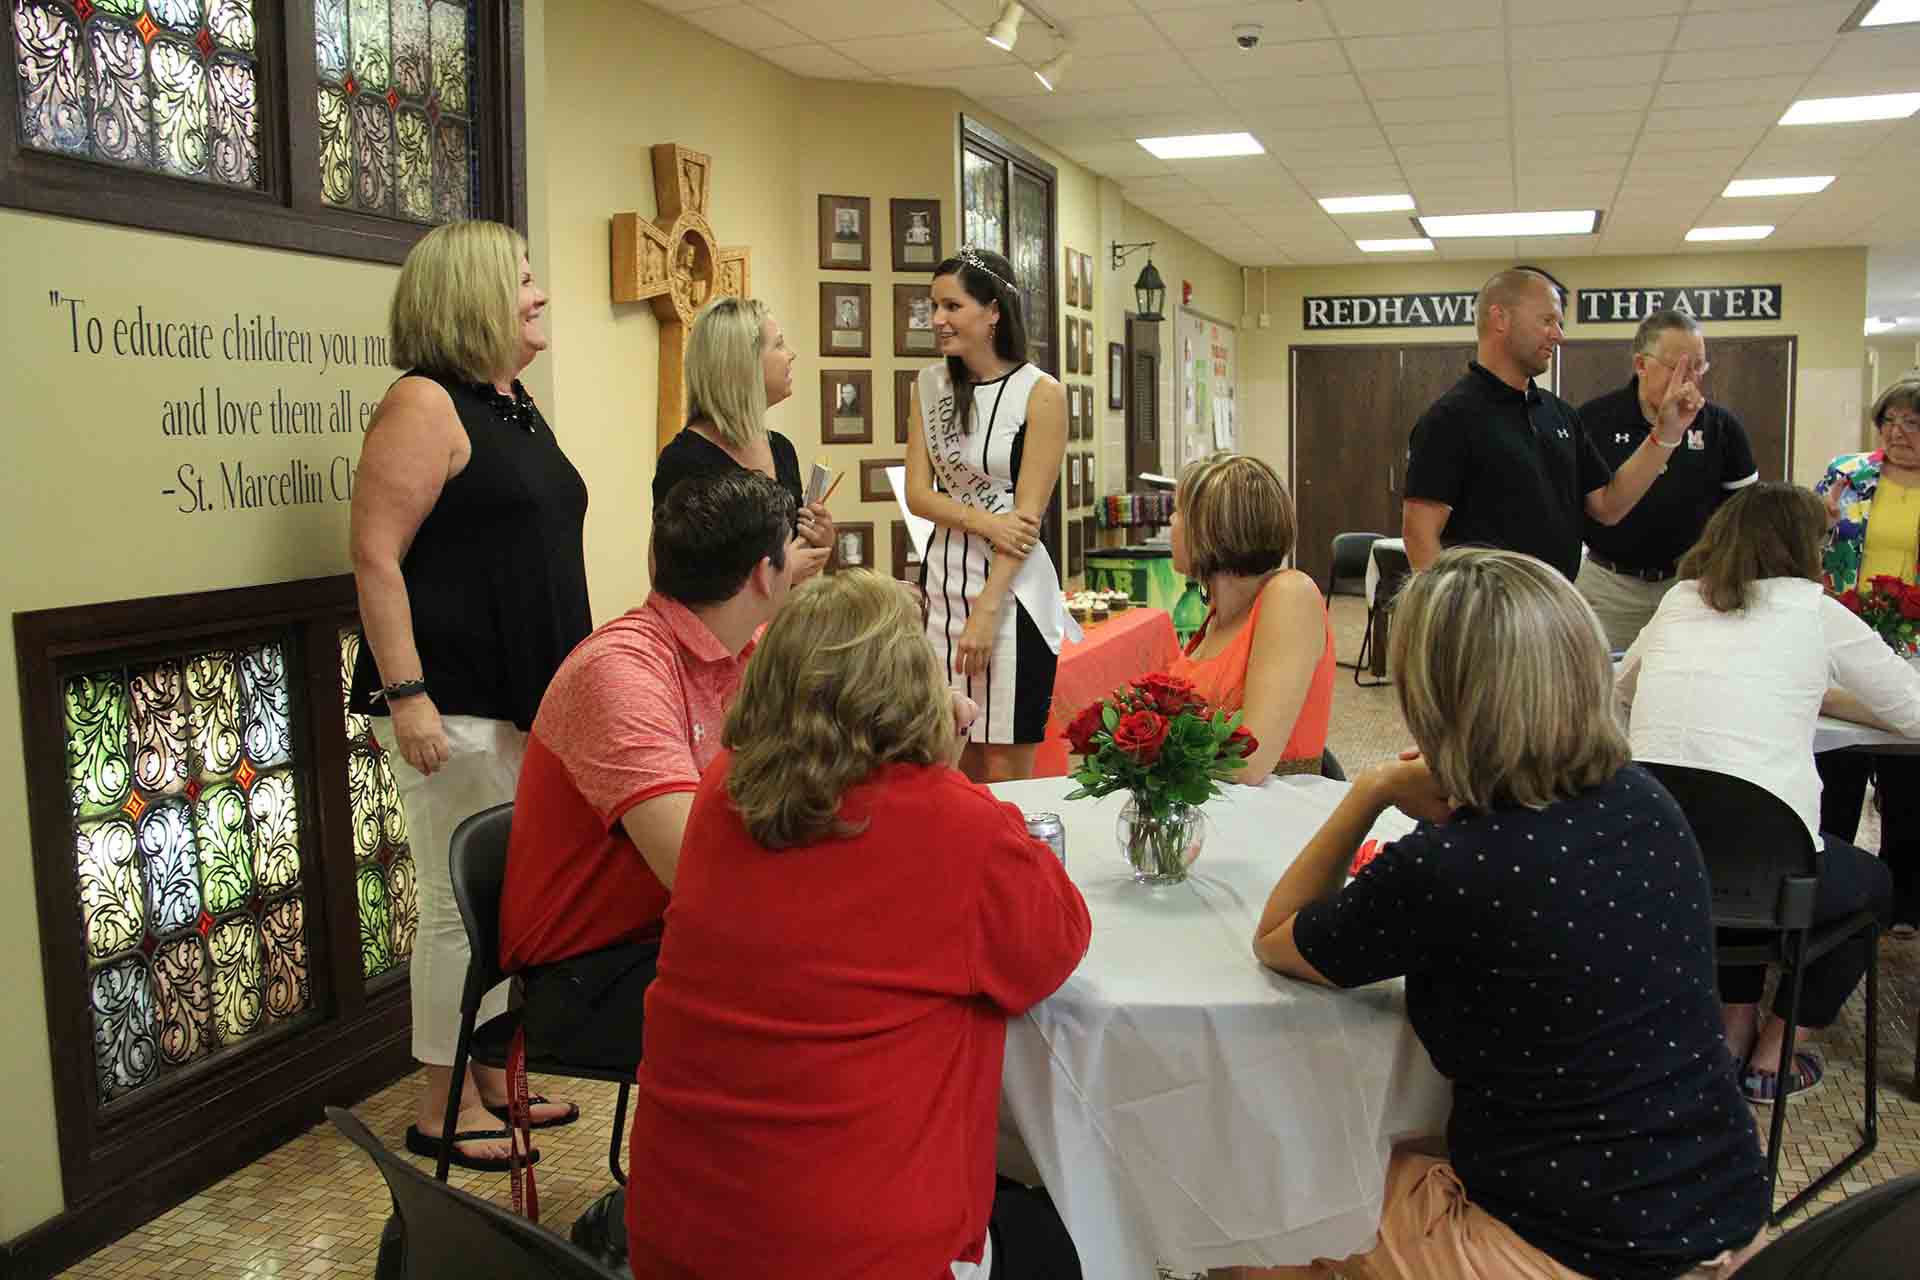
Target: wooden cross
x,y
675,262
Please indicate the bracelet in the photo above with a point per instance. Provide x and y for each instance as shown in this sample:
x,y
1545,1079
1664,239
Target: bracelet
x,y
405,689
1655,437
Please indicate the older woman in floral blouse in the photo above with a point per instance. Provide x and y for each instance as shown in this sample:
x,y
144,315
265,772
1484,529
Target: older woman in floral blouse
x,y
1873,500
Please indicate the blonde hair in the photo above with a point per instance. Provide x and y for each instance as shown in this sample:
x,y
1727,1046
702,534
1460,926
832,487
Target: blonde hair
x,y
725,385
456,305
1505,681
842,683
1237,516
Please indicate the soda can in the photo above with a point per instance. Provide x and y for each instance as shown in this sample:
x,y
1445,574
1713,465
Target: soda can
x,y
1048,829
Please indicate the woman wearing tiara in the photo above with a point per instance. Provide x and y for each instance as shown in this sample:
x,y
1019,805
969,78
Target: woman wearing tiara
x,y
985,441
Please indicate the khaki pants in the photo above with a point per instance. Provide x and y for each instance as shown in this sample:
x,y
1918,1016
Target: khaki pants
x,y
1429,1230
1624,604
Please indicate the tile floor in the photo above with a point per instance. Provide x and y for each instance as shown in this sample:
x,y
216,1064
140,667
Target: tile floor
x,y
315,1207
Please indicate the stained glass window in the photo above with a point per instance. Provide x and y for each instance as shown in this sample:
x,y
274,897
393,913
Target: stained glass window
x,y
396,106
383,862
166,85
186,817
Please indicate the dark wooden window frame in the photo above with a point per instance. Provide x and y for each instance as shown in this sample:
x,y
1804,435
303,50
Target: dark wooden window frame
x,y
126,1161
287,211
985,140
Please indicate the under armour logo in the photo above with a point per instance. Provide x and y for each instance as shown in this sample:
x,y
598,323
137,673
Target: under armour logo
x,y
1622,437
1562,433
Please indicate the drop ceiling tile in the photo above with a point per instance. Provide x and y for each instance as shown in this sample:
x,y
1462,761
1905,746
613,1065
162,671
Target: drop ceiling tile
x,y
818,62
1349,182
1658,139
1440,82
1120,160
687,6
1173,100
833,20
1095,132
1225,64
1610,39
1169,185
1584,102
927,51
1552,11
1397,17
1449,48
1414,133
1175,124
1848,84
1868,52
1492,152
1767,91
1704,163
1098,37
1336,94
1480,106
1538,247
1574,76
1135,70
748,28
1809,20
1529,125
1284,20
1478,248
1760,60
985,84
1302,141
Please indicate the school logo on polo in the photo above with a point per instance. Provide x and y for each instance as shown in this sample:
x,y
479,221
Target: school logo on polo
x,y
1696,439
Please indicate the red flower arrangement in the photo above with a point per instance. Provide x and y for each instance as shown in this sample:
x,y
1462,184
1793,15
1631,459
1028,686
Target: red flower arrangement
x,y
1892,608
1159,739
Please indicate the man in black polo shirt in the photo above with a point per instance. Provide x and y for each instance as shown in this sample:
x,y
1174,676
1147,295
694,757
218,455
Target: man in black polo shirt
x,y
1499,462
1630,565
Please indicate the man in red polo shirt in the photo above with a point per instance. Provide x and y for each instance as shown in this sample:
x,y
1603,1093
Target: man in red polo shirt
x,y
631,719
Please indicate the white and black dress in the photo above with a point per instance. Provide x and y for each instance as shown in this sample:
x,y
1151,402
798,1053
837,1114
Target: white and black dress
x,y
976,461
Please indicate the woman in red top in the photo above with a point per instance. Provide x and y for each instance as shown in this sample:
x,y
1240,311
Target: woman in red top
x,y
1266,648
852,924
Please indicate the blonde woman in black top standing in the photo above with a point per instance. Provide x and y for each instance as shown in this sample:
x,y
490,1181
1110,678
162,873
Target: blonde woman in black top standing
x,y
466,535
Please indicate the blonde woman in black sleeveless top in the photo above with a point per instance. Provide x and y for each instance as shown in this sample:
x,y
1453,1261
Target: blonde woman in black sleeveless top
x,y
467,553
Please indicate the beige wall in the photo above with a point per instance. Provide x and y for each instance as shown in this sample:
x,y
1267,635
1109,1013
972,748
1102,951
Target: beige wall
x,y
1825,302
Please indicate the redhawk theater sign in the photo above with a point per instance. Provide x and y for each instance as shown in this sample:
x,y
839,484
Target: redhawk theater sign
x,y
1703,302
1388,311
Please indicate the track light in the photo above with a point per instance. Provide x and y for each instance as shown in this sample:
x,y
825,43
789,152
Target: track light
x,y
1049,73
1002,34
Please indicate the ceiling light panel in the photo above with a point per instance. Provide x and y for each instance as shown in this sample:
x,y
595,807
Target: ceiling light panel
x,y
1559,222
1878,106
1200,146
1742,188
1366,204
1701,234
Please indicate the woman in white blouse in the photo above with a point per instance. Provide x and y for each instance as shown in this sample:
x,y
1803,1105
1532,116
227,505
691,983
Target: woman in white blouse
x,y
1738,663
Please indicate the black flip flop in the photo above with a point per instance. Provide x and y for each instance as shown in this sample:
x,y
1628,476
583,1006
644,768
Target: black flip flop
x,y
425,1145
573,1113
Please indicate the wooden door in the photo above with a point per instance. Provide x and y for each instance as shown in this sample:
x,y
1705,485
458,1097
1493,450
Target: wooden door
x,y
1424,375
1751,378
1344,450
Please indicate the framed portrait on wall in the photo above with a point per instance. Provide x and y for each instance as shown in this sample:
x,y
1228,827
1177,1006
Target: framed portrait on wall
x,y
1086,347
1072,270
905,564
852,546
846,406
1073,480
1076,412
845,319
916,234
1086,281
873,478
903,380
1116,376
1076,549
846,227
1090,528
1086,480
913,320
1072,345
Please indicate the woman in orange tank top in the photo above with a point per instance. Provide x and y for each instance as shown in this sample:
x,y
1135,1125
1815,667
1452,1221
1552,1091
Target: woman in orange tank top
x,y
1266,648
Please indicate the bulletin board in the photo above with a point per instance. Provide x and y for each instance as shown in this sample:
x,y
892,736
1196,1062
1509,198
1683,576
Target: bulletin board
x,y
1205,378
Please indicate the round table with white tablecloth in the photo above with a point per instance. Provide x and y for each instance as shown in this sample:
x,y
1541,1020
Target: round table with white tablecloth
x,y
1187,1107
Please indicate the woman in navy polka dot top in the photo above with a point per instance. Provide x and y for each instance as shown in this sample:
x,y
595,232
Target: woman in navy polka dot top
x,y
1551,917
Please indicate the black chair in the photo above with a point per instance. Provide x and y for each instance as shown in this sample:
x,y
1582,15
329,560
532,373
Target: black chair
x,y
1870,1236
1330,766
451,1235
478,865
1764,870
1348,574
1394,570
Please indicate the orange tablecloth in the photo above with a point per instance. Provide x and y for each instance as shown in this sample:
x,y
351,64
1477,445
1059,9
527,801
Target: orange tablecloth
x,y
1115,651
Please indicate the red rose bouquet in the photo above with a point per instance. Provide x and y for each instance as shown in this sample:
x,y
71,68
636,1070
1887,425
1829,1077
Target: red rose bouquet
x,y
1892,608
1160,741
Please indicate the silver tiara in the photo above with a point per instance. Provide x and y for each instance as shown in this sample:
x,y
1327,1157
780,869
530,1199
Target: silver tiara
x,y
971,256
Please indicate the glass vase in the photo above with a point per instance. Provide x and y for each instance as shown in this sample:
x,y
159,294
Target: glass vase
x,y
1160,849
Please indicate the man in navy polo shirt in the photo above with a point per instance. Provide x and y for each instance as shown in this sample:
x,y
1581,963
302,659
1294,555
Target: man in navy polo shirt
x,y
1498,462
1630,565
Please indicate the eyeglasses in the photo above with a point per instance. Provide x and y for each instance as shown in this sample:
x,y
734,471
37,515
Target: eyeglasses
x,y
1909,426
1700,372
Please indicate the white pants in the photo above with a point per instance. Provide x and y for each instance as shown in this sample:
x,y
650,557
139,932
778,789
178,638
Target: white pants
x,y
482,768
1623,604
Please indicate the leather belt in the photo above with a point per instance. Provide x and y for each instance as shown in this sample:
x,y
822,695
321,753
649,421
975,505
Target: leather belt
x,y
1644,575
